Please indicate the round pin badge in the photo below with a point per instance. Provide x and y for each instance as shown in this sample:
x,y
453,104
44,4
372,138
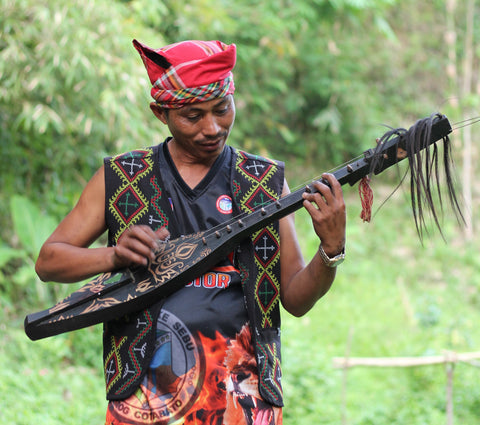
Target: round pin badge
x,y
224,204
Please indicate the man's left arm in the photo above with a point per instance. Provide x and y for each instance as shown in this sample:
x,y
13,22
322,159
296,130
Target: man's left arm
x,y
302,285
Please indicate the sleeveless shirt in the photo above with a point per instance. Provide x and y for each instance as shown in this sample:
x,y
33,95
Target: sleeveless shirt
x,y
203,362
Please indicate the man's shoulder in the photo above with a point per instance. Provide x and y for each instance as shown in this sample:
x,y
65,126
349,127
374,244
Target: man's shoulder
x,y
143,153
247,156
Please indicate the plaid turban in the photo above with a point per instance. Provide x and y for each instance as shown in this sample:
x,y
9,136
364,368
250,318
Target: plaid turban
x,y
189,71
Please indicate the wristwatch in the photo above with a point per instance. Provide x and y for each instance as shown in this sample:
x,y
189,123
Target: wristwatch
x,y
334,261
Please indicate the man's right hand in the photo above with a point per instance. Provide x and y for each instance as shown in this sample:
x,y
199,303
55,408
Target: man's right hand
x,y
137,246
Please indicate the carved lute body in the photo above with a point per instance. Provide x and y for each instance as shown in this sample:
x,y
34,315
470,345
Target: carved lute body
x,y
179,261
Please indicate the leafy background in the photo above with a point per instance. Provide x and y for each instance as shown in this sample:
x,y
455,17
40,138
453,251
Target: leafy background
x,y
316,81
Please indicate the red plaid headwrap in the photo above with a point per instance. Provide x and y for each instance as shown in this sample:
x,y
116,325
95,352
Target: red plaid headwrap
x,y
189,71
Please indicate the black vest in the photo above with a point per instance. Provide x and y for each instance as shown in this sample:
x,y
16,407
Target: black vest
x,y
134,196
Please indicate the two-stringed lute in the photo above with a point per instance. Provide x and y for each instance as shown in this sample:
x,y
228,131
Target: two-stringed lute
x,y
179,261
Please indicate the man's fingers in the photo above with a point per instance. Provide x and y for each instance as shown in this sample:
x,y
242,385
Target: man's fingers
x,y
162,234
125,257
137,245
143,234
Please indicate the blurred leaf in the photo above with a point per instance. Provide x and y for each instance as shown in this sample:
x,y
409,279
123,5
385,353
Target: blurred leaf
x,y
30,225
26,277
8,254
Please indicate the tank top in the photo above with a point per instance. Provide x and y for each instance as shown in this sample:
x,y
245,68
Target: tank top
x,y
203,369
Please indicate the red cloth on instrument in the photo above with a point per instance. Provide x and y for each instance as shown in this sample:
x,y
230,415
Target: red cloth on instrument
x,y
366,196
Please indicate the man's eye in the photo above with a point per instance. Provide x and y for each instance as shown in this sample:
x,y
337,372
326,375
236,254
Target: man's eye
x,y
222,111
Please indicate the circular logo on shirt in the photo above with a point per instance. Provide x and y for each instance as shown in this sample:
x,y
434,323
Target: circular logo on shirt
x,y
224,204
173,381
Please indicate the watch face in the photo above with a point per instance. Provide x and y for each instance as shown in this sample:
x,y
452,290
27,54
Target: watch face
x,y
337,260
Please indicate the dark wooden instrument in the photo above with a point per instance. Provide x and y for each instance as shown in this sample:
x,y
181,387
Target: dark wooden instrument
x,y
179,261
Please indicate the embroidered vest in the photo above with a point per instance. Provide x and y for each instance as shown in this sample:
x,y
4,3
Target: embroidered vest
x,y
134,196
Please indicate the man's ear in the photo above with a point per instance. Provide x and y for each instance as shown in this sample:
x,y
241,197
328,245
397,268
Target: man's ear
x,y
159,112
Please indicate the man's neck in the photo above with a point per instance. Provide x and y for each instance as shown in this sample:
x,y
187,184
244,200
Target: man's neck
x,y
191,169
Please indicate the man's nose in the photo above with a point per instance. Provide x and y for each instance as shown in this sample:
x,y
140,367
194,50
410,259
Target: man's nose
x,y
210,125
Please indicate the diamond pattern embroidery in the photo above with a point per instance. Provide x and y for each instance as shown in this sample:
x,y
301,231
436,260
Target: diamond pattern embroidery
x,y
257,173
255,169
128,204
133,164
267,293
258,181
259,197
266,247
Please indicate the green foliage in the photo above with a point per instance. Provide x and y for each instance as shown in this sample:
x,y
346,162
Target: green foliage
x,y
50,382
19,284
17,272
315,80
68,96
31,226
72,88
299,73
392,297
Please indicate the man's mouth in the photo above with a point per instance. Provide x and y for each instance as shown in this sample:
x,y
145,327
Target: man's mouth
x,y
214,140
211,145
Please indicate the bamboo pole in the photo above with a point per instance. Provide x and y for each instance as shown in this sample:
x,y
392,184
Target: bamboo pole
x,y
450,368
448,357
467,91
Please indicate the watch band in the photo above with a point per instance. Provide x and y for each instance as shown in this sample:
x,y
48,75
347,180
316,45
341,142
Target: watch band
x,y
333,261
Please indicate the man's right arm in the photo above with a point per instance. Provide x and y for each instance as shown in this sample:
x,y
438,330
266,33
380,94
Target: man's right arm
x,y
66,256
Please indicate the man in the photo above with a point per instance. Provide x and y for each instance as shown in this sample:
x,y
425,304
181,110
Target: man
x,y
210,352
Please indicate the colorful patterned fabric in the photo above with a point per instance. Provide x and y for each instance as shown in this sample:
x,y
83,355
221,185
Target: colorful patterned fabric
x,y
203,370
127,205
219,387
129,342
259,181
189,71
133,195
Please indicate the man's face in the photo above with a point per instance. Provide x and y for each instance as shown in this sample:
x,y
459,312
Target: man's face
x,y
201,129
